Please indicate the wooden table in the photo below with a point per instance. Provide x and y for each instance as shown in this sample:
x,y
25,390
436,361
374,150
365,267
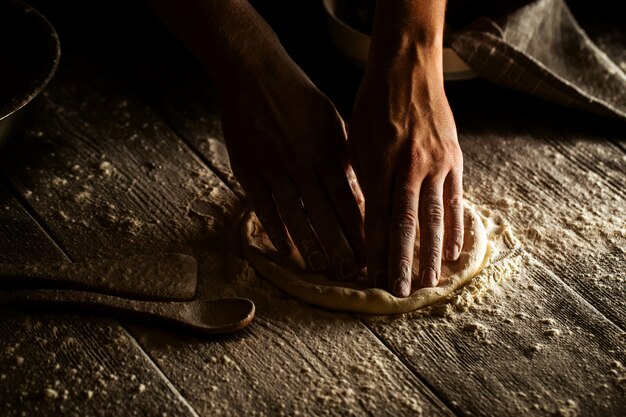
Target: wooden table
x,y
123,155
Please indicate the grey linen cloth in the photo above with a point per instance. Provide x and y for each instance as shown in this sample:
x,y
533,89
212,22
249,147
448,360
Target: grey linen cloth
x,y
537,47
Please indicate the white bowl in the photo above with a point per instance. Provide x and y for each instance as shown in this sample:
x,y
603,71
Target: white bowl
x,y
354,45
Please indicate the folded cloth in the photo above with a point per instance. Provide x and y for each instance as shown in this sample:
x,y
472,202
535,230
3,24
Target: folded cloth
x,y
537,47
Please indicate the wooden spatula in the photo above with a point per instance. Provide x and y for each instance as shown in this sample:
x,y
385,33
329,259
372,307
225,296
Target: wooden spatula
x,y
164,276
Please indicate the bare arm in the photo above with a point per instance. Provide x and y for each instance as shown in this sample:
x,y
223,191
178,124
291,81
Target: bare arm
x,y
405,149
285,139
228,36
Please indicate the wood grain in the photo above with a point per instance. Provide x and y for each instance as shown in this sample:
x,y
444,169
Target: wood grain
x,y
173,201
537,358
532,347
553,174
539,344
549,342
60,364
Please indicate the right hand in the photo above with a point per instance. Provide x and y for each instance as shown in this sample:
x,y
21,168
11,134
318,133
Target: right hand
x,y
287,147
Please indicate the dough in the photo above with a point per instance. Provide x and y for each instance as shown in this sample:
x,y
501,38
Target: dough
x,y
318,289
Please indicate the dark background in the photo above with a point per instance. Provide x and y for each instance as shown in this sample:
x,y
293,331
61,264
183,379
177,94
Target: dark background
x,y
129,38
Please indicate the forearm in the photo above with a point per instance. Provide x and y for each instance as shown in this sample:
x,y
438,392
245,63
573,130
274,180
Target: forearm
x,y
227,36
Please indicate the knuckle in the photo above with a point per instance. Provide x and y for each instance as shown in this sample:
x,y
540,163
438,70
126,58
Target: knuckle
x,y
405,221
434,247
433,209
407,193
404,237
434,213
438,158
455,236
432,257
439,161
404,262
456,202
433,242
405,232
417,156
422,162
404,267
456,232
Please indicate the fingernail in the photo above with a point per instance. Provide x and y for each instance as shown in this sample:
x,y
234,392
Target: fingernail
x,y
317,262
349,268
402,288
380,280
283,246
452,253
429,278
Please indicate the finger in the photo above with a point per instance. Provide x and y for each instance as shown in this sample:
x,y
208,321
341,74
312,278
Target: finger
x,y
431,231
402,235
292,212
356,188
260,196
377,220
328,228
453,214
348,211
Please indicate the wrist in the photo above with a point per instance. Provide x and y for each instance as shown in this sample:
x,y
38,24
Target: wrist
x,y
410,66
408,32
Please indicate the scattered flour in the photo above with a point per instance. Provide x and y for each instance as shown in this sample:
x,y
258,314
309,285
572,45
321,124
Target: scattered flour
x,y
51,393
568,409
106,168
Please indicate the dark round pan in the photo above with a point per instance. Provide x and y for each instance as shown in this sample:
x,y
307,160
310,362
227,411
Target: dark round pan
x,y
29,55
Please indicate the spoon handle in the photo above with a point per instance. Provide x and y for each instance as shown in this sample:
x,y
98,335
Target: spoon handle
x,y
166,276
204,316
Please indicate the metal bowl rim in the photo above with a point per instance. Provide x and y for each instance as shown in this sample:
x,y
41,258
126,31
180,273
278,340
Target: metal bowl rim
x,y
38,85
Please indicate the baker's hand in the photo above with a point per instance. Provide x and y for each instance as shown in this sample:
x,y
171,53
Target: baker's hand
x,y
404,148
287,146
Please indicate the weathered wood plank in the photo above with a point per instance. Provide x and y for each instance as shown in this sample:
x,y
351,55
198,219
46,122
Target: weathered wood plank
x,y
128,185
535,346
539,379
59,364
520,373
187,104
306,363
531,347
153,179
560,178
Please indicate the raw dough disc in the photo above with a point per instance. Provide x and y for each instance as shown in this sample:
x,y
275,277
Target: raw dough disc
x,y
318,289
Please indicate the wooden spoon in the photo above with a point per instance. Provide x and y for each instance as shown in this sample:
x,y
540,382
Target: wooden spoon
x,y
165,276
205,316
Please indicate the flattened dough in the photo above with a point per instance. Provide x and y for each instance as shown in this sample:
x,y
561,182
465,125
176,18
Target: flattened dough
x,y
318,289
